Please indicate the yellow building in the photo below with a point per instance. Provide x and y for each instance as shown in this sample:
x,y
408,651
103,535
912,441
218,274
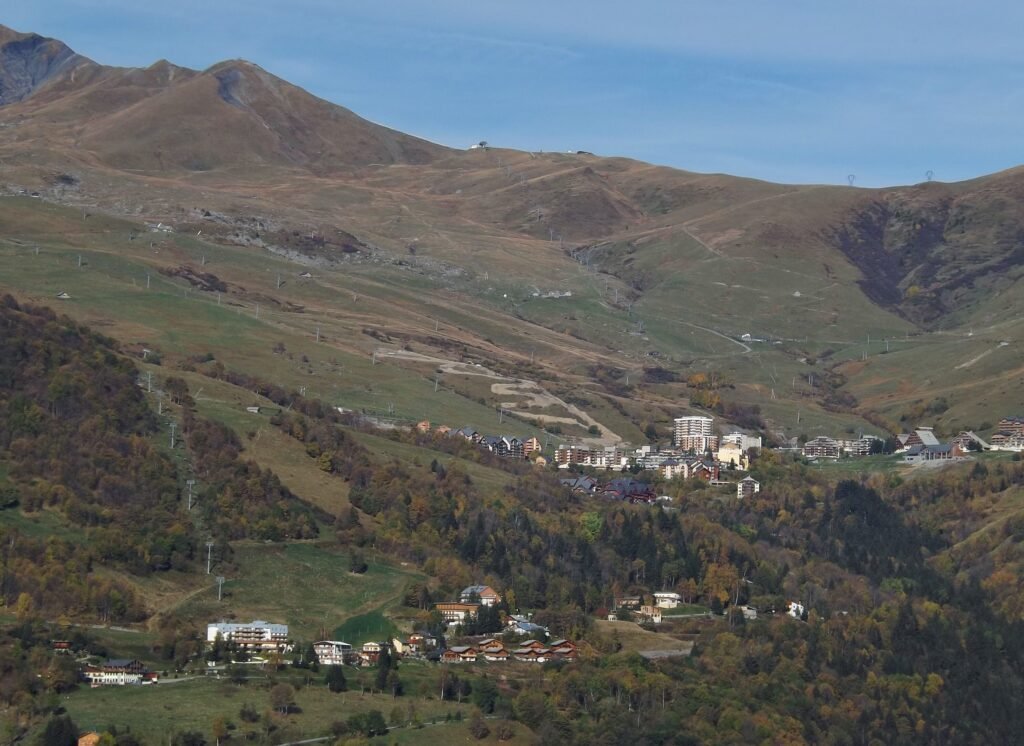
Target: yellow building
x,y
732,453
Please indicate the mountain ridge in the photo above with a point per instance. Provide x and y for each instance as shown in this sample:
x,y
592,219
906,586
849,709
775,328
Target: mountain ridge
x,y
281,124
29,61
674,261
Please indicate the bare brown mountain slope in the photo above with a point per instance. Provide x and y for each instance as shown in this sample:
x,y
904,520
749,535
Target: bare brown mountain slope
x,y
236,114
238,143
168,118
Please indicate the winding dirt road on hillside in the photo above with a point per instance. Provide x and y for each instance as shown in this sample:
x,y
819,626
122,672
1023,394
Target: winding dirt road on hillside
x,y
534,396
523,392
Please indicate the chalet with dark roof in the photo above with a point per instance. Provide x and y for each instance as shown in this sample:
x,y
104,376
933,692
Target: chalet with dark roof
x,y
480,594
520,625
941,452
468,433
703,469
629,490
118,672
460,654
582,485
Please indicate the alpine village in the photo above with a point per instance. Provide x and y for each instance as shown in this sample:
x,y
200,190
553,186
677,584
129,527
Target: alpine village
x,y
312,431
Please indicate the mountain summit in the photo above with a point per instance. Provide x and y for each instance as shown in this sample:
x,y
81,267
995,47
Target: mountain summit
x,y
29,61
169,118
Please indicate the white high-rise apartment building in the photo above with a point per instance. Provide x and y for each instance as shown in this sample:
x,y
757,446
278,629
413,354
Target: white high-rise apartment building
x,y
694,433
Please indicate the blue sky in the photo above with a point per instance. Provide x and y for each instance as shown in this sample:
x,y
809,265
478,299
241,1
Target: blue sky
x,y
793,90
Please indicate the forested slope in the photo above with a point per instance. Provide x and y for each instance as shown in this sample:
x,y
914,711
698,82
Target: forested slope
x,y
79,441
75,432
912,633
913,630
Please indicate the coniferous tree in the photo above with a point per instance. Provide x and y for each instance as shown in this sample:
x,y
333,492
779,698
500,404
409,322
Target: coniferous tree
x,y
384,664
335,679
60,730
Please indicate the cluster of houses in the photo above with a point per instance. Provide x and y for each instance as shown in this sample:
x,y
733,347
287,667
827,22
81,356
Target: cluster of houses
x,y
128,672
923,445
637,609
917,446
505,446
696,453
670,463
418,645
625,489
645,613
652,613
495,651
471,600
261,636
337,653
695,450
254,637
824,447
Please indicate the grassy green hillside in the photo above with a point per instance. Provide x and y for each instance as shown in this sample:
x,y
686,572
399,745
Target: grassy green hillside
x,y
192,706
307,587
414,326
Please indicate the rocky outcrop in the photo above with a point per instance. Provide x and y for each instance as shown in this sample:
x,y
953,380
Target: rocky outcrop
x,y
29,61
